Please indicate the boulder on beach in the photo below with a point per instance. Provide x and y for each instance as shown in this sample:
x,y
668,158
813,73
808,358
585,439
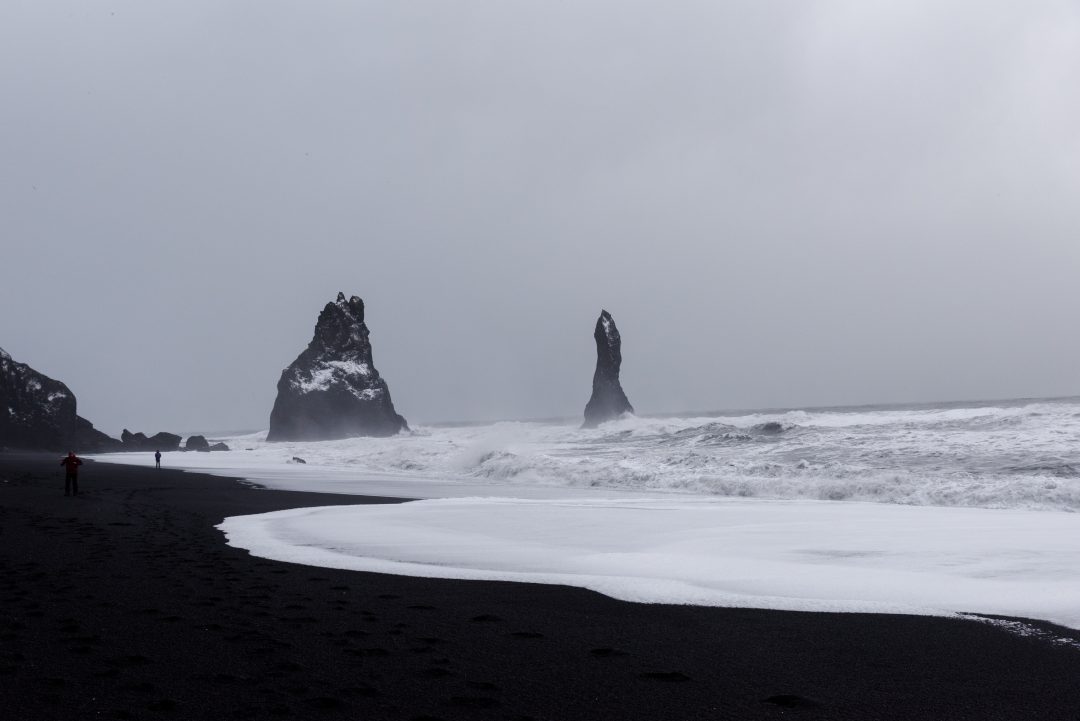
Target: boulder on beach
x,y
218,447
158,442
165,441
197,443
133,441
608,400
332,390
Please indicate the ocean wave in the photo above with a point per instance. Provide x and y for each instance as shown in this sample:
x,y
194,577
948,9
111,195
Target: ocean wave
x,y
993,456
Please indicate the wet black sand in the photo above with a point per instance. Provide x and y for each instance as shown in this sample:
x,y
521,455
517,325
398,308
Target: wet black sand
x,y
126,603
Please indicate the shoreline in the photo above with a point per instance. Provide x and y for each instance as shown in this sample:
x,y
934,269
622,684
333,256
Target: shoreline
x,y
126,602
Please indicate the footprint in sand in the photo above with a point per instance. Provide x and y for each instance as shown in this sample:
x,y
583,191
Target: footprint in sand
x,y
475,702
670,676
607,652
288,667
130,661
790,700
325,703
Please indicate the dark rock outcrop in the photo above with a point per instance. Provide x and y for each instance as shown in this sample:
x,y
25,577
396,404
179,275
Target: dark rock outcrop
x,y
197,443
158,442
218,447
133,441
608,400
332,389
36,412
90,440
165,441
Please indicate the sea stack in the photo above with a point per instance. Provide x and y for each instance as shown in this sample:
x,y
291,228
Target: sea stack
x,y
608,400
332,389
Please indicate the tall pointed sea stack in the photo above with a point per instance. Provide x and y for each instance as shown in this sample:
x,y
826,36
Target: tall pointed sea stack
x,y
608,400
332,389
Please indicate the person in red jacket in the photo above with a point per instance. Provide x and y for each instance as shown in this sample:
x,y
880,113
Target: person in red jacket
x,y
71,473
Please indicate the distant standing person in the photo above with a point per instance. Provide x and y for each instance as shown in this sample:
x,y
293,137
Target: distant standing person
x,y
157,459
71,473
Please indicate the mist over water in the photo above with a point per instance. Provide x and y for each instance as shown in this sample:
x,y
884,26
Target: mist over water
x,y
781,204
1016,454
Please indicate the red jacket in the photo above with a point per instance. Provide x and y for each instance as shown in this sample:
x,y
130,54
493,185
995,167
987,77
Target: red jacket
x,y
71,464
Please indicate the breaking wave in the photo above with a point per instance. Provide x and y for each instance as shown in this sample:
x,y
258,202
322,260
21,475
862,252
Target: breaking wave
x,y
1007,455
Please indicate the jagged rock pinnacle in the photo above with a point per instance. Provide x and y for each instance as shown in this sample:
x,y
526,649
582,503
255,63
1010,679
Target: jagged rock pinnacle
x,y
332,389
608,400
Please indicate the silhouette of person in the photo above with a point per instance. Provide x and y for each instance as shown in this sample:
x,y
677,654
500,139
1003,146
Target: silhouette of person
x,y
71,465
157,459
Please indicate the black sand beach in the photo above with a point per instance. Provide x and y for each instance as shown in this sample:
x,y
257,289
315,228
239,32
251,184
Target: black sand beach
x,y
125,603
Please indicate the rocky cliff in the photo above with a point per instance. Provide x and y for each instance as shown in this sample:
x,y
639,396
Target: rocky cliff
x,y
38,413
90,440
332,389
608,399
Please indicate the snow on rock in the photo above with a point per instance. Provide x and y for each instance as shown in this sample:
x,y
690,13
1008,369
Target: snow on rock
x,y
608,400
41,413
40,410
332,390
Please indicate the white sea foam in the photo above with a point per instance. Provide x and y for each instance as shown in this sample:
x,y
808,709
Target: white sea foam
x,y
788,555
692,510
1007,456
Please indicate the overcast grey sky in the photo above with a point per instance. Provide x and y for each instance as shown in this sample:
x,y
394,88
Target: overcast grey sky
x,y
781,203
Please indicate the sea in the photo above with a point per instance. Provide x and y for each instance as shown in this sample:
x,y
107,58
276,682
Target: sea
x,y
1021,453
964,509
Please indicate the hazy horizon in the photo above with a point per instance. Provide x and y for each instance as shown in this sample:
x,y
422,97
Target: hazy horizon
x,y
685,413
782,205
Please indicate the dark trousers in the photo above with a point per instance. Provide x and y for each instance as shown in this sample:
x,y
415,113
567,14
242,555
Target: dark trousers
x,y
71,483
